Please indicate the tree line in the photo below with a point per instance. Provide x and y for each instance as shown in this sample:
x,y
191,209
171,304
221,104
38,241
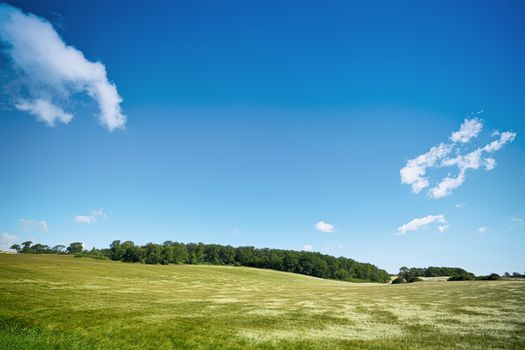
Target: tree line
x,y
301,262
414,274
28,247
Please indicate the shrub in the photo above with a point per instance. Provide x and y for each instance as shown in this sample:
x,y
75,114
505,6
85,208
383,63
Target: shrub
x,y
399,280
491,277
462,277
414,279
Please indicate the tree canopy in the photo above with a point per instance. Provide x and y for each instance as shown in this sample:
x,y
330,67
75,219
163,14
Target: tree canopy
x,y
170,252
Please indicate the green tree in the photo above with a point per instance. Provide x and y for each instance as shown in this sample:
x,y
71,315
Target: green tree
x,y
166,256
180,253
59,248
131,253
74,248
116,250
26,247
152,253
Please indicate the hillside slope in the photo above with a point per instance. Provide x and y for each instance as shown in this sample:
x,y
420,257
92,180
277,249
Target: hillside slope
x,y
60,302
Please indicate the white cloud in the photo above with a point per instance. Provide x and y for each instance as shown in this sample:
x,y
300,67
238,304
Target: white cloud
x,y
445,186
418,223
505,137
49,72
490,163
483,229
29,225
332,248
45,111
460,205
469,129
443,228
91,218
324,227
514,222
7,240
414,173
308,247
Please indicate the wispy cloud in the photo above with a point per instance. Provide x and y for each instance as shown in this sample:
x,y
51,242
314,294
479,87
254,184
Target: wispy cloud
x,y
91,218
414,173
308,247
29,225
460,205
482,229
332,248
7,240
419,223
48,73
324,227
514,222
443,228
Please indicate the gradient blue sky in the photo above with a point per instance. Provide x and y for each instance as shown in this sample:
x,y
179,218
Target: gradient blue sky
x,y
249,122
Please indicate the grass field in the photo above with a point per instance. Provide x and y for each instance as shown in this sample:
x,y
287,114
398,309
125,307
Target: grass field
x,y
60,302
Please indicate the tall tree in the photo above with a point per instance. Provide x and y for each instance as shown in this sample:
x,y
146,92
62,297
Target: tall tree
x,y
74,247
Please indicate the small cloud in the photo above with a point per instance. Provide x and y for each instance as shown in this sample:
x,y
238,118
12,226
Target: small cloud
x,y
45,111
489,163
443,228
332,247
482,229
418,223
236,231
469,129
92,218
308,247
29,225
48,74
324,227
514,222
7,240
460,205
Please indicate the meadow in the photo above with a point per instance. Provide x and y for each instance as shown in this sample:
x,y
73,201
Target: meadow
x,y
62,302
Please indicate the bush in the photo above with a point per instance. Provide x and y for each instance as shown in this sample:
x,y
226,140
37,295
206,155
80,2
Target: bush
x,y
491,277
414,279
467,276
398,280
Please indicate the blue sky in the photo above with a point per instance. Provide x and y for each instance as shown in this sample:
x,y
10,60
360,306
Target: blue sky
x,y
246,124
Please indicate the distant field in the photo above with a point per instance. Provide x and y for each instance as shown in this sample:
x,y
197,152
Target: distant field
x,y
60,302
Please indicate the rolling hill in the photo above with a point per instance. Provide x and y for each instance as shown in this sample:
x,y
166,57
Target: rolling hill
x,y
61,302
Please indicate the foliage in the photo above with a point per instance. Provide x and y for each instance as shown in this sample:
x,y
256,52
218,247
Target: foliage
x,y
506,275
491,277
413,279
302,262
306,263
431,271
28,247
398,280
75,247
464,276
456,274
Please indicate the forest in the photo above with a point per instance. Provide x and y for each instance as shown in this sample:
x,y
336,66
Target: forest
x,y
302,262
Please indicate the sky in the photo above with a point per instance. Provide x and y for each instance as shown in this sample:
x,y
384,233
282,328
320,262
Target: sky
x,y
387,132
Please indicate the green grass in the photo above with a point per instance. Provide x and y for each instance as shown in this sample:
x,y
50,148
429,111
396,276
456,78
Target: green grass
x,y
59,302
